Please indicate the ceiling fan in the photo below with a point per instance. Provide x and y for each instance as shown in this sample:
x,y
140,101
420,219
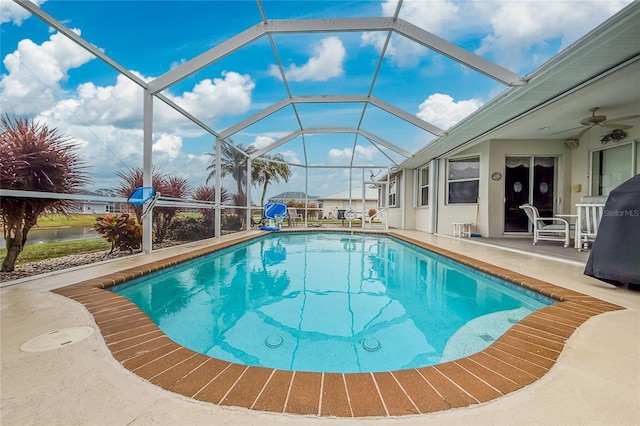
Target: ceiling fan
x,y
599,120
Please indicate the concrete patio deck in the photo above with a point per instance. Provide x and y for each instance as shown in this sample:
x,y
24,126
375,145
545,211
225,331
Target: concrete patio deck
x,y
596,379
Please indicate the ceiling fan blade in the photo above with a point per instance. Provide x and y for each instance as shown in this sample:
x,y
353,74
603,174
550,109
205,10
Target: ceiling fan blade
x,y
615,126
628,117
582,132
566,130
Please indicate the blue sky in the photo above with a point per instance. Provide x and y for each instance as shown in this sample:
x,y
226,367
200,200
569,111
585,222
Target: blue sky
x,y
47,77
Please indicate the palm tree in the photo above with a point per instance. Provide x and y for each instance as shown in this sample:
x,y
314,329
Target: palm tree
x,y
234,163
207,193
34,157
269,168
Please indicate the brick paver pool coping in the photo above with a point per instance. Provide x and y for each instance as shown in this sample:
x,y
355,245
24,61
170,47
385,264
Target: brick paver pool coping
x,y
516,359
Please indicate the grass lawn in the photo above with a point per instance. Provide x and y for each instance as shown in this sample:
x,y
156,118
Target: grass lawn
x,y
59,220
45,251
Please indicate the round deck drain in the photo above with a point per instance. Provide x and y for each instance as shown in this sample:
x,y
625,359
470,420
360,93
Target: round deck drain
x,y
57,339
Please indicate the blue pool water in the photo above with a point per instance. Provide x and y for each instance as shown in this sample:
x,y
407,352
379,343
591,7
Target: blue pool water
x,y
330,302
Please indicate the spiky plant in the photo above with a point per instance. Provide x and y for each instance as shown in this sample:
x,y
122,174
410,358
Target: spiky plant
x,y
208,193
132,179
172,187
167,186
34,157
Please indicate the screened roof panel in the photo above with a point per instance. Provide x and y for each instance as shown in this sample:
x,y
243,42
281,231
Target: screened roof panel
x,y
330,115
278,9
157,41
152,30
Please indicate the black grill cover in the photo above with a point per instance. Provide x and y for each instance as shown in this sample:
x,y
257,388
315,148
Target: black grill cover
x,y
615,255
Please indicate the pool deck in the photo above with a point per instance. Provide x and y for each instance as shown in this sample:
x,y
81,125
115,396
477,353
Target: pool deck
x,y
595,378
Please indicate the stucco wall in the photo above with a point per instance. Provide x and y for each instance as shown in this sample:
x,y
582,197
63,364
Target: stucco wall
x,y
332,206
488,217
500,149
581,162
449,213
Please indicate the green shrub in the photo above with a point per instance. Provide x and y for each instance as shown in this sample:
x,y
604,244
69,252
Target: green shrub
x,y
191,229
232,222
121,231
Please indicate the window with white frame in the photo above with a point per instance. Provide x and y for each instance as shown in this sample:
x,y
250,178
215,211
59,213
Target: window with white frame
x,y
423,186
393,189
612,166
463,180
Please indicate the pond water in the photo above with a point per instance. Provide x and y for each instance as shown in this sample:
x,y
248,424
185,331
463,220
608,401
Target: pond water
x,y
41,236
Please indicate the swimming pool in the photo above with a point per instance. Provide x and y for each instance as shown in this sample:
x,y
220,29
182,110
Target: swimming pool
x,y
330,302
522,355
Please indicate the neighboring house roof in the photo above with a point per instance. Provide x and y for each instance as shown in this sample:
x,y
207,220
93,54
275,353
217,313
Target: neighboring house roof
x,y
356,194
286,196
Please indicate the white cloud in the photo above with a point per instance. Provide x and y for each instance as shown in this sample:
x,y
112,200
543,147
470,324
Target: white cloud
x,y
12,12
518,26
442,111
343,156
261,141
119,104
33,85
107,149
433,16
291,157
211,99
512,28
36,71
106,120
326,62
171,145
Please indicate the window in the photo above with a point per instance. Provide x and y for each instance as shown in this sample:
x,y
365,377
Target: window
x,y
464,180
423,187
610,167
392,192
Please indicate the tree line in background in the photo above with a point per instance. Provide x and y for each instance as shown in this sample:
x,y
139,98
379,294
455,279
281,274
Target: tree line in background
x,y
34,157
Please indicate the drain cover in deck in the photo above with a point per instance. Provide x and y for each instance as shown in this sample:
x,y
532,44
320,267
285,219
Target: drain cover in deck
x,y
57,339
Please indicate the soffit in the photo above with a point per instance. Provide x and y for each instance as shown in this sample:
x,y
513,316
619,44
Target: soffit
x,y
615,43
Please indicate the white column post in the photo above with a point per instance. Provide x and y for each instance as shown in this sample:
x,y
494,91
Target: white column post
x,y
248,212
147,167
218,187
433,195
363,200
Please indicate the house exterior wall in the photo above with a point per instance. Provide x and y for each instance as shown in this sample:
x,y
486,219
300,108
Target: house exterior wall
x,y
468,213
487,216
581,160
500,149
394,214
99,207
331,206
422,219
409,211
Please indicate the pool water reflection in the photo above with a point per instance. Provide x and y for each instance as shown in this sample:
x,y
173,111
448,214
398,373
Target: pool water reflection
x,y
330,302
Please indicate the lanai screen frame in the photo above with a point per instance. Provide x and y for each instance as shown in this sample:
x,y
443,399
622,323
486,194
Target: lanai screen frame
x,y
267,28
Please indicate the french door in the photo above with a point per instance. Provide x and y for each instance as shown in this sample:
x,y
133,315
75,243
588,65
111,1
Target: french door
x,y
528,179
